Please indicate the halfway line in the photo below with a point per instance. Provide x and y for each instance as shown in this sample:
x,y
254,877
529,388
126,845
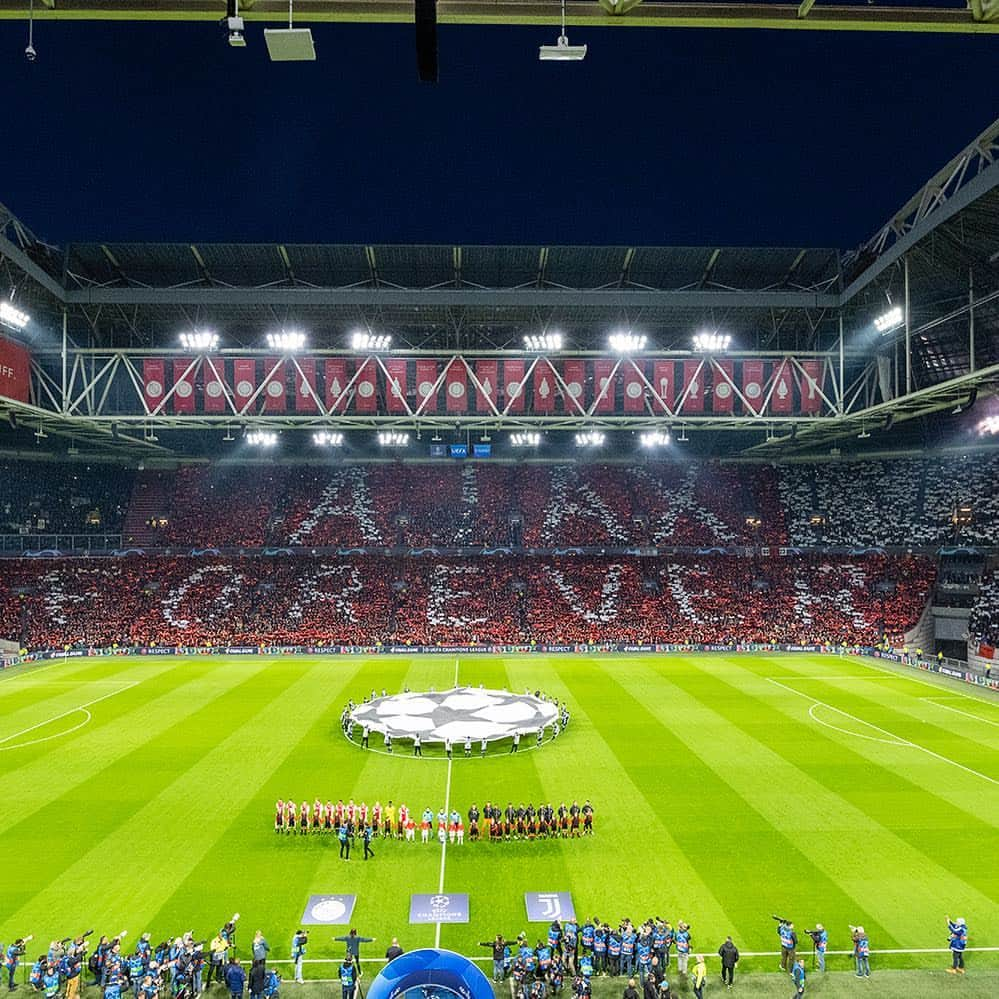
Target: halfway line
x,y
447,817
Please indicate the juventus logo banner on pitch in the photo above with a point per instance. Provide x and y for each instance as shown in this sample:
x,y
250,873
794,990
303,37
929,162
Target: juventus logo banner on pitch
x,y
329,910
438,908
544,906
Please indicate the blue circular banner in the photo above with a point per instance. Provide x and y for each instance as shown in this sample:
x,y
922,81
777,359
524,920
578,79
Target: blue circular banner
x,y
431,973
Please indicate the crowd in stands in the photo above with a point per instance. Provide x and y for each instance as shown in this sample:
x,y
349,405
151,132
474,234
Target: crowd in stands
x,y
896,502
47,498
423,601
983,625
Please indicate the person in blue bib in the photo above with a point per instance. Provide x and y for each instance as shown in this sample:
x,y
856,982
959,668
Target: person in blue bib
x,y
628,938
299,943
586,936
614,952
586,966
798,974
643,951
348,977
12,958
544,959
958,931
682,939
600,949
570,938
861,951
788,945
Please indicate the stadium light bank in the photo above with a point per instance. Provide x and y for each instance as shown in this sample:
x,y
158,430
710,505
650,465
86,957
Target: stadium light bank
x,y
199,340
393,438
287,341
712,343
327,438
562,51
543,341
12,317
591,438
262,438
626,342
363,340
530,438
654,438
889,320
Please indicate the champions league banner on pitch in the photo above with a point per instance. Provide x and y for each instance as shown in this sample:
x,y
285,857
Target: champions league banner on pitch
x,y
439,908
329,910
544,906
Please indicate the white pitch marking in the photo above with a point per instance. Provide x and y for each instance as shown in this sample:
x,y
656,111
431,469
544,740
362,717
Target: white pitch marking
x,y
846,731
958,711
864,678
447,816
918,679
32,672
71,711
891,735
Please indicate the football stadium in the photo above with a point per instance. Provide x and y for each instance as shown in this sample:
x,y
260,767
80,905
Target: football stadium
x,y
398,600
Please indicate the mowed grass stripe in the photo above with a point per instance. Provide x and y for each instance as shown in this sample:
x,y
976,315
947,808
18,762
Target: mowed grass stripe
x,y
497,899
838,836
166,823
930,818
956,798
719,804
267,877
901,714
657,847
382,909
69,777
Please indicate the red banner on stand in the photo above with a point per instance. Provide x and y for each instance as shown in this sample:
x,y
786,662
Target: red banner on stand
x,y
544,388
183,384
574,376
752,386
513,388
366,387
603,387
15,371
335,385
723,394
153,381
487,375
215,385
426,379
456,387
693,387
810,385
395,384
305,386
782,394
663,381
276,389
244,381
634,387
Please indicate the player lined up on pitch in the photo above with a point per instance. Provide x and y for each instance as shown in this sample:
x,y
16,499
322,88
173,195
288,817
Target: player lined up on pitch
x,y
347,821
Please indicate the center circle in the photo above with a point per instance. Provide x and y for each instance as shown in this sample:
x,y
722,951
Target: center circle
x,y
462,713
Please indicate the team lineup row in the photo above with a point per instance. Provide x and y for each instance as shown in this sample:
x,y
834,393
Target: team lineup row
x,y
513,822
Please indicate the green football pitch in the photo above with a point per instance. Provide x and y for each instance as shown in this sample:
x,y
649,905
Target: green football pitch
x,y
139,793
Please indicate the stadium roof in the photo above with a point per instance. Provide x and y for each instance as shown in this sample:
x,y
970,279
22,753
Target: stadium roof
x,y
976,16
941,249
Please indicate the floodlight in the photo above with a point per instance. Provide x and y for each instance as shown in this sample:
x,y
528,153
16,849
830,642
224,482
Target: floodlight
x,y
988,427
233,24
199,340
626,342
392,438
543,341
562,51
529,438
362,340
286,340
262,438
655,438
327,438
14,318
711,343
889,320
592,438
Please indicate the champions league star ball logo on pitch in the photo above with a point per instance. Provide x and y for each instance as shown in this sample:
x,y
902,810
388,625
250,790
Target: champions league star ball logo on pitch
x,y
439,908
464,712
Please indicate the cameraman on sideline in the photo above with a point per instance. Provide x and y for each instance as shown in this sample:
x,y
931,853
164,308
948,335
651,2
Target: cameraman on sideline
x,y
820,940
788,944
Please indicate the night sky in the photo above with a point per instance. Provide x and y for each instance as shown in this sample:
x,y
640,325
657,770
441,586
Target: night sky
x,y
161,132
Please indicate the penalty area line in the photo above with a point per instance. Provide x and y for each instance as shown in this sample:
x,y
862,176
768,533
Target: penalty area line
x,y
958,711
71,711
896,739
